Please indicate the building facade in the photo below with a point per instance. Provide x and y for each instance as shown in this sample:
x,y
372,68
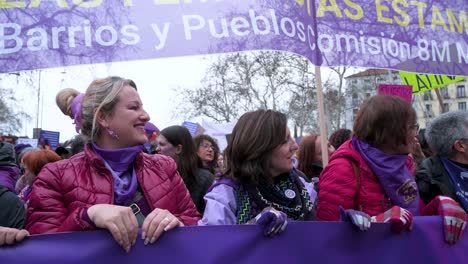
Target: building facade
x,y
428,105
365,84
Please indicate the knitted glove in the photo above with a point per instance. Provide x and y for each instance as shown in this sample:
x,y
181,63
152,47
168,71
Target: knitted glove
x,y
400,218
358,218
273,221
454,218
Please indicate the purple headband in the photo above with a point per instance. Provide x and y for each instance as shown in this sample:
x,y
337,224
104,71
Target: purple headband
x,y
76,111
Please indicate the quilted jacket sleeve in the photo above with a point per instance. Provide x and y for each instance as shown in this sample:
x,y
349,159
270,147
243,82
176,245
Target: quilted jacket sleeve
x,y
337,186
186,210
47,211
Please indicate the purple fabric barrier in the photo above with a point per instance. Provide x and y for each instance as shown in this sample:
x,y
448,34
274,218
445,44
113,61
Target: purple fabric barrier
x,y
302,242
425,36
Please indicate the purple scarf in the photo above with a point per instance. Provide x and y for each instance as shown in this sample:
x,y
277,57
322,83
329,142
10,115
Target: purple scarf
x,y
120,164
394,176
76,111
25,194
8,177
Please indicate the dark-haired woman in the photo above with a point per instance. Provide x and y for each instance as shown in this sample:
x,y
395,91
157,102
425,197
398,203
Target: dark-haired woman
x,y
260,181
177,143
208,152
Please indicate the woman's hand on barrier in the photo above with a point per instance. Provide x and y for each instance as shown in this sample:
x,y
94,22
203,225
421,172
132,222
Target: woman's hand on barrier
x,y
273,221
119,220
400,218
454,218
358,218
10,236
156,223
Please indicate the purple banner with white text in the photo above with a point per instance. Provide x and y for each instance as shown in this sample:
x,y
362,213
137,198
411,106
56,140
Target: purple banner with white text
x,y
425,36
302,242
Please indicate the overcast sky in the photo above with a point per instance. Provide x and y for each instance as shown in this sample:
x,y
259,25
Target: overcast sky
x,y
156,81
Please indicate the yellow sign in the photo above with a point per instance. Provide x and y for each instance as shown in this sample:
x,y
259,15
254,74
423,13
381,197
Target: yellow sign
x,y
425,82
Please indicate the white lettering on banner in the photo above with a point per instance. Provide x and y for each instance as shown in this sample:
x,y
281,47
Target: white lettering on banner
x,y
112,33
241,26
40,38
15,37
130,32
162,36
462,54
11,39
56,32
238,24
269,23
189,27
255,25
438,55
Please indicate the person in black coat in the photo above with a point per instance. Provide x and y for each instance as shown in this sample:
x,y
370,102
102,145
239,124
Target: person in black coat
x,y
446,173
12,210
177,143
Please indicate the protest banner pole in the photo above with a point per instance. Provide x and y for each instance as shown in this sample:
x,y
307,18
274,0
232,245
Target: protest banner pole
x,y
321,108
439,98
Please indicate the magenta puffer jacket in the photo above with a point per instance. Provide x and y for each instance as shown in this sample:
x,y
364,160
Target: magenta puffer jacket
x,y
64,189
338,185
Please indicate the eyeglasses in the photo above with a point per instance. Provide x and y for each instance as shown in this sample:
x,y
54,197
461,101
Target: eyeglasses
x,y
415,127
207,146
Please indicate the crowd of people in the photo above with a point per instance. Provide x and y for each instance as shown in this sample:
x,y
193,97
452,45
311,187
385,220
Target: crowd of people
x,y
122,174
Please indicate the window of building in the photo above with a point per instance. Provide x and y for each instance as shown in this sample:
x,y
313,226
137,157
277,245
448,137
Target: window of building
x,y
428,112
462,106
444,92
427,96
461,91
355,111
446,108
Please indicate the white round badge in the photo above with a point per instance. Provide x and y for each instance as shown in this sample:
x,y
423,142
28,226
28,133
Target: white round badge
x,y
290,193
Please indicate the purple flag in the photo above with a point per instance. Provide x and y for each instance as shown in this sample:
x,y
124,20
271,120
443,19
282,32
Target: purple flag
x,y
425,36
302,242
192,127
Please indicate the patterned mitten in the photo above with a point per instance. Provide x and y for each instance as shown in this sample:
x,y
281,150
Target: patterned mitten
x,y
358,218
400,218
274,221
454,218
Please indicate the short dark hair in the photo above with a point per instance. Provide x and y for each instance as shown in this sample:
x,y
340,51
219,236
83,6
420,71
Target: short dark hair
x,y
339,137
77,144
253,139
384,119
212,165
